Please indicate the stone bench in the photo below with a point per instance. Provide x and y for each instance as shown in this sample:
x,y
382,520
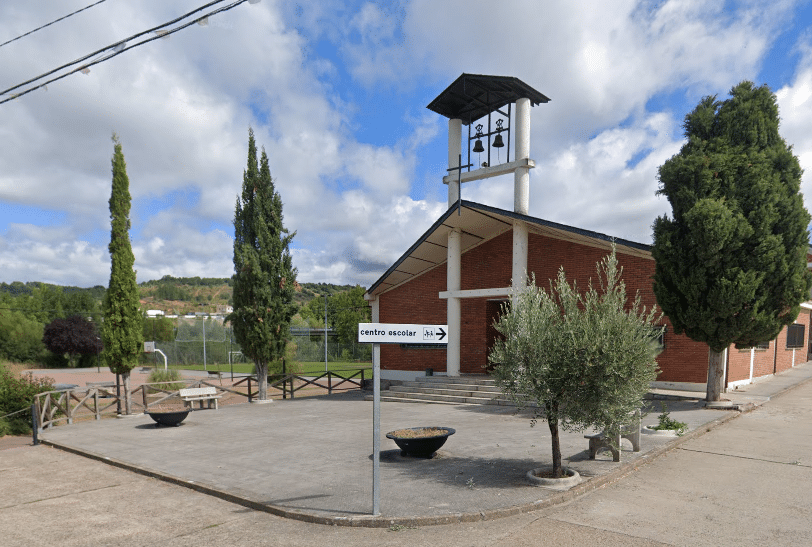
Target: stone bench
x,y
601,440
201,394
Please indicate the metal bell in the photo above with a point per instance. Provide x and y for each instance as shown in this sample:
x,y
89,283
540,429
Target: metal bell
x,y
478,146
498,142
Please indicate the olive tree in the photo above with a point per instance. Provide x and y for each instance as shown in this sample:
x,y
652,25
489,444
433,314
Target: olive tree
x,y
585,359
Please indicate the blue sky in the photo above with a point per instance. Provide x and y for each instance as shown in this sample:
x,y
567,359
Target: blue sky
x,y
336,92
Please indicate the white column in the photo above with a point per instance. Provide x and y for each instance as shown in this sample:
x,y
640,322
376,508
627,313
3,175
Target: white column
x,y
454,151
752,358
454,306
521,177
520,244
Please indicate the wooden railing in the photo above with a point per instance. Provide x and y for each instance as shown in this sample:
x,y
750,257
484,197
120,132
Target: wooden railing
x,y
54,407
287,381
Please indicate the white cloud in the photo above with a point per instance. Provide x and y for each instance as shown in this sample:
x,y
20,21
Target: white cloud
x,y
182,107
795,109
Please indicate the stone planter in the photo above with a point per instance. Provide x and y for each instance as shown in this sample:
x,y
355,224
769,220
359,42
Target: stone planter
x,y
168,417
420,446
649,430
571,478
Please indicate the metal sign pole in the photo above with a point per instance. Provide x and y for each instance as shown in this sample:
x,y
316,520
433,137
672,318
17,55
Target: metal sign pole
x,y
376,430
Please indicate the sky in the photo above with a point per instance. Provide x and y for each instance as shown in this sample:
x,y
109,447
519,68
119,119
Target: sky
x,y
336,93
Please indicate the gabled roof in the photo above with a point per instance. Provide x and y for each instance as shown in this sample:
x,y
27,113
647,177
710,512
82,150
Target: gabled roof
x,y
479,223
473,96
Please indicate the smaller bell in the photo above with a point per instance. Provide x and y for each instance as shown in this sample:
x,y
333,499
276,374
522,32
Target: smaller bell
x,y
498,142
478,146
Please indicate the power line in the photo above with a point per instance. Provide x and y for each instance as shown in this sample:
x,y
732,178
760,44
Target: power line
x,y
116,49
120,47
51,23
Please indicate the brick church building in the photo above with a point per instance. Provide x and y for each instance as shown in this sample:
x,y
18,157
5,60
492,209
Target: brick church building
x,y
463,268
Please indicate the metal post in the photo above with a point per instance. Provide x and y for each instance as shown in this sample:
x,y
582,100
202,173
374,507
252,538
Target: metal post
x,y
34,425
376,433
325,333
204,345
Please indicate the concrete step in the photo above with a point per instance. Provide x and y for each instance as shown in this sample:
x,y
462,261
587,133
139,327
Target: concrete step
x,y
385,399
470,380
454,399
448,392
437,386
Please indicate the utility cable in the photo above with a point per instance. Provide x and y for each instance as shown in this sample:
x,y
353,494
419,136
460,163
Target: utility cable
x,y
51,23
115,47
119,47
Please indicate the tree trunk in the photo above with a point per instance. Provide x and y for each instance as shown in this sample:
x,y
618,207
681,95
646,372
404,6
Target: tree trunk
x,y
126,379
262,380
716,374
552,423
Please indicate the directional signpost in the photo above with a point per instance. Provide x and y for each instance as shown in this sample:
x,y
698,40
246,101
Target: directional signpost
x,y
390,333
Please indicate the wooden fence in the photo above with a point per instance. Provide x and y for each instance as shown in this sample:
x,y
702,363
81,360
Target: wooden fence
x,y
55,407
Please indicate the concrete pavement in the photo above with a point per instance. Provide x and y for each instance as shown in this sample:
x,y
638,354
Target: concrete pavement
x,y
721,483
310,458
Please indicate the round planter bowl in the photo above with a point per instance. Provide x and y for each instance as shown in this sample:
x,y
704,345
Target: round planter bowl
x,y
173,418
421,447
571,478
649,430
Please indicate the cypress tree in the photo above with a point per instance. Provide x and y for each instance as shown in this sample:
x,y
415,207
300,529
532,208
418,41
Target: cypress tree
x,y
731,262
264,277
121,329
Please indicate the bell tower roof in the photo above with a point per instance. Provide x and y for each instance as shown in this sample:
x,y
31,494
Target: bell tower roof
x,y
473,96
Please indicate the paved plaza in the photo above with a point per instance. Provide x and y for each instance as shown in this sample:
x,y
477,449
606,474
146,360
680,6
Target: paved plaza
x,y
310,458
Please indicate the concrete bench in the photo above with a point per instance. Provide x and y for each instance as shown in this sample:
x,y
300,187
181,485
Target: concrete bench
x,y
602,440
105,389
201,394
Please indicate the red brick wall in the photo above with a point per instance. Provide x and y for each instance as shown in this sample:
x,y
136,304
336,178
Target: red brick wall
x,y
415,302
783,358
774,359
489,266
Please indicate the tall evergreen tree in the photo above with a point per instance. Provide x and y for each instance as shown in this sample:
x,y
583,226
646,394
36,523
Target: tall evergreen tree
x,y
731,263
264,276
121,329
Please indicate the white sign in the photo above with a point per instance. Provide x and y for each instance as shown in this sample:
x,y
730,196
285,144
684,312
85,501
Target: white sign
x,y
396,333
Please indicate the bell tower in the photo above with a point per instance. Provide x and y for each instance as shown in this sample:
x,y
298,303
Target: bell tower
x,y
485,105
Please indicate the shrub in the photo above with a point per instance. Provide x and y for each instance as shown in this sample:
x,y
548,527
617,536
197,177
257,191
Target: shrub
x,y
17,393
169,379
20,337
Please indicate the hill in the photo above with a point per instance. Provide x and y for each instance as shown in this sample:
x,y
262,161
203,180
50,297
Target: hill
x,y
179,295
183,295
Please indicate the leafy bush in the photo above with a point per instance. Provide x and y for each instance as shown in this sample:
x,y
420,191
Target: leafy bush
x,y
666,422
169,380
20,337
75,336
17,393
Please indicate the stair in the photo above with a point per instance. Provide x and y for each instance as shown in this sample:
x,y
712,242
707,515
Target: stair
x,y
456,390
